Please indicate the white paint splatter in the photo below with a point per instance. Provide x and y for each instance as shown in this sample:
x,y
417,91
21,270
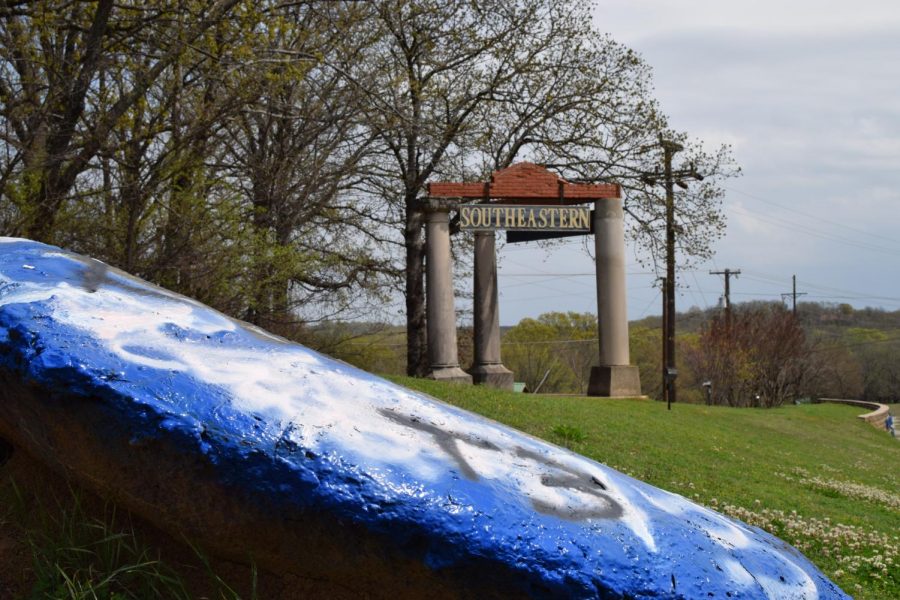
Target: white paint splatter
x,y
801,588
736,572
720,529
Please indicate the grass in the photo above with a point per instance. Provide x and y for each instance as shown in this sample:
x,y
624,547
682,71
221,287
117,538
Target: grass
x,y
78,553
814,475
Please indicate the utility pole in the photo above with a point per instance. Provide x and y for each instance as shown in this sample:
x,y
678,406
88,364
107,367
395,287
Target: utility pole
x,y
727,273
671,178
793,296
669,150
665,346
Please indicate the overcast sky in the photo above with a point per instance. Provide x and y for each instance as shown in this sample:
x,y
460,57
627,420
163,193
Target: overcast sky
x,y
808,95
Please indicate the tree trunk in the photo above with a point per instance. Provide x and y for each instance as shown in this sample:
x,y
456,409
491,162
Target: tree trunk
x,y
416,333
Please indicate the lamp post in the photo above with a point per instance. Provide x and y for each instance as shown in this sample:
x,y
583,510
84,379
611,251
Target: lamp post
x,y
708,387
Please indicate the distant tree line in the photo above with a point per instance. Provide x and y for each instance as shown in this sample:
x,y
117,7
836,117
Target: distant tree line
x,y
763,357
270,158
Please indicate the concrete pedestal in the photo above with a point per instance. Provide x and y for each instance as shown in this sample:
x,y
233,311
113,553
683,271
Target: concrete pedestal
x,y
451,374
495,375
616,381
614,376
487,367
441,313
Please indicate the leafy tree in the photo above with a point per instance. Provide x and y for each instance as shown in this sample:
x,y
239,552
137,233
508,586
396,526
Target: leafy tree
x,y
56,114
211,155
840,375
529,351
880,370
294,156
646,354
561,344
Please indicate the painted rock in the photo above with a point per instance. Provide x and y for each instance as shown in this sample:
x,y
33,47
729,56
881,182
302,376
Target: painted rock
x,y
263,449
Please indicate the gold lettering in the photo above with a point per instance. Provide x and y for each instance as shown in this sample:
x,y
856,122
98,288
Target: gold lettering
x,y
496,212
476,217
520,215
509,215
563,218
552,218
586,218
464,217
531,223
574,220
542,215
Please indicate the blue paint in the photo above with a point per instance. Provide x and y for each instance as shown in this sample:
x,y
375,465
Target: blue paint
x,y
447,487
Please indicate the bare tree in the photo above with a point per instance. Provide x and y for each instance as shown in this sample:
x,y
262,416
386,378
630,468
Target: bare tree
x,y
462,89
759,358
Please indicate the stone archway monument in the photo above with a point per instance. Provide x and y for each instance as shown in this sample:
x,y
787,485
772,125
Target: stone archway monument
x,y
530,203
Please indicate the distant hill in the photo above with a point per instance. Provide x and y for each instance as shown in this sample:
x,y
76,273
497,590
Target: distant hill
x,y
811,314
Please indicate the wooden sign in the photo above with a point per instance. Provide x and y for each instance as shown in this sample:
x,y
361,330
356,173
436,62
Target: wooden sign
x,y
481,217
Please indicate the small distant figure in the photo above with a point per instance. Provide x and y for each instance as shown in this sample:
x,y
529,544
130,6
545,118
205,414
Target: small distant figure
x,y
889,425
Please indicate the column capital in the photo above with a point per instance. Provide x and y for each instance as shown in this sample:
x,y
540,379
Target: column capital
x,y
439,205
609,209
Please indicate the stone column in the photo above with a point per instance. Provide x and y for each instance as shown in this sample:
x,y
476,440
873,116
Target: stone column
x,y
440,311
487,367
614,376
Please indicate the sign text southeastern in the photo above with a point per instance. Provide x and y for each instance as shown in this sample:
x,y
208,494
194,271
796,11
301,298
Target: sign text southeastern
x,y
524,218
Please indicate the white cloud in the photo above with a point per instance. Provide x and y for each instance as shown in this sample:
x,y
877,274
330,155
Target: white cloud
x,y
638,19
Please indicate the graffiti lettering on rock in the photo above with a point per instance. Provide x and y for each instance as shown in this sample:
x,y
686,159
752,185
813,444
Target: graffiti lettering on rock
x,y
602,506
446,440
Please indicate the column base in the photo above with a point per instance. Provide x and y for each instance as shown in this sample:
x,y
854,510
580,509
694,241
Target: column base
x,y
493,375
451,374
615,381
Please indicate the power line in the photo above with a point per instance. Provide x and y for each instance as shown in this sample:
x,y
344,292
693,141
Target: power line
x,y
805,229
769,278
501,274
728,273
811,216
649,304
548,342
793,294
699,289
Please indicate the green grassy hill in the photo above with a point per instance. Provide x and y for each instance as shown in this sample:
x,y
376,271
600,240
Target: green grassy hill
x,y
814,475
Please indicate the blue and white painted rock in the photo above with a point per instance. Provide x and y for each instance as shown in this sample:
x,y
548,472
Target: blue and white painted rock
x,y
130,386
